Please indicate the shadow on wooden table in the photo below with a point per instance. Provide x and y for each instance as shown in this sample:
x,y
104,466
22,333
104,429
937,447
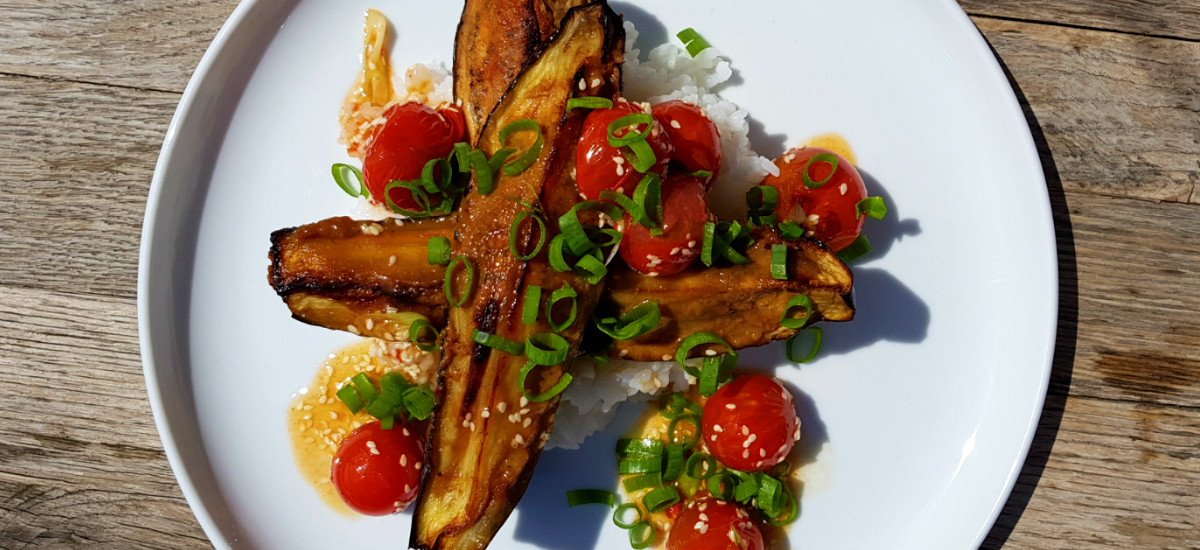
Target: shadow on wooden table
x,y
1064,352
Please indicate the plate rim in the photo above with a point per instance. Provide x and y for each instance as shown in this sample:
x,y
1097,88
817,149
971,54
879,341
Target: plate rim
x,y
239,17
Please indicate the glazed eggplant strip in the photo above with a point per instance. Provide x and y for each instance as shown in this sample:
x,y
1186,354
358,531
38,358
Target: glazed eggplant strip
x,y
314,273
486,436
496,40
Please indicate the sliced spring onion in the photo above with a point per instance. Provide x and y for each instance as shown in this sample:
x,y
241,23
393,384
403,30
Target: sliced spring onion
x,y
427,176
690,419
661,498
438,251
715,372
644,481
419,401
530,156
546,348
693,467
366,388
706,249
779,258
578,242
747,487
762,199
341,175
871,206
625,202
857,249
788,321
648,197
591,268
828,158
721,486
589,103
789,510
418,195
640,465
414,334
448,283
636,322
762,220
547,395
641,535
693,41
699,339
620,513
672,462
566,292
515,229
533,303
388,422
486,169
791,231
628,122
818,336
636,447
770,496
701,174
675,404
497,342
558,259
461,151
590,496
643,156
350,397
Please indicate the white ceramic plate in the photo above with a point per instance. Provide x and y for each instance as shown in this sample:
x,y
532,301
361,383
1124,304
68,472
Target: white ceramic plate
x,y
918,415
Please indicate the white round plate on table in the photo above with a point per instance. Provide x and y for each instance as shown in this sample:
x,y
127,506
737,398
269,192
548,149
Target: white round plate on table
x,y
917,415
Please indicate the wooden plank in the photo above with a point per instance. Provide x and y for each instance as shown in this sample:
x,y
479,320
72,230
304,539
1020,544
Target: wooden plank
x,y
1120,112
1129,297
137,43
1174,18
1104,474
80,459
77,166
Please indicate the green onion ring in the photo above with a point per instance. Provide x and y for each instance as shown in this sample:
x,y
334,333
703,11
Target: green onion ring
x,y
762,198
419,401
641,535
871,206
558,295
643,156
691,419
350,397
414,331
515,228
627,121
427,181
341,175
546,348
648,197
485,170
693,41
644,481
590,496
495,341
589,103
634,447
675,404
787,321
530,156
779,258
791,231
620,511
672,462
715,372
747,487
437,252
818,336
694,462
640,465
699,339
417,193
661,498
533,302
366,388
790,505
547,395
449,280
857,249
590,269
721,486
828,158
626,203
558,260
460,153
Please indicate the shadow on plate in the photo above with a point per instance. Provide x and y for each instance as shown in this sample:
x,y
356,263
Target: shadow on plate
x,y
1064,348
651,31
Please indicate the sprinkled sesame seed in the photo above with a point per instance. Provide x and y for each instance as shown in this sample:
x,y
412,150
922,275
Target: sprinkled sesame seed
x,y
582,84
731,406
596,82
392,260
843,187
404,460
623,353
370,323
620,170
675,250
762,453
406,434
714,437
666,357
486,413
417,466
619,159
710,352
750,440
675,124
717,428
524,401
746,453
500,407
526,422
374,449
703,517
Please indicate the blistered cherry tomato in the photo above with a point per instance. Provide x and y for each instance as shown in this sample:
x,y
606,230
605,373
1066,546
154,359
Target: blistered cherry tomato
x,y
750,424
411,135
685,210
696,139
826,211
600,166
711,524
376,471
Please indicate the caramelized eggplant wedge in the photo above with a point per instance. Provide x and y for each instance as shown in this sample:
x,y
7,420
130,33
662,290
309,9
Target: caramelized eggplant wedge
x,y
496,40
698,299
486,435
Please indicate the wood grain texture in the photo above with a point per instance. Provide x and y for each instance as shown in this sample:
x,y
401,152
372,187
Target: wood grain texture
x,y
1121,112
1166,18
1115,463
135,43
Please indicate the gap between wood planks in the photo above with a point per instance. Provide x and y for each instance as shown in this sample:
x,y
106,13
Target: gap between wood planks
x,y
1079,27
52,78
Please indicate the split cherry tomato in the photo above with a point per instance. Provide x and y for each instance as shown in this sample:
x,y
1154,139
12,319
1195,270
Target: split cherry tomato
x,y
685,210
696,139
600,166
711,524
377,472
411,135
750,424
826,211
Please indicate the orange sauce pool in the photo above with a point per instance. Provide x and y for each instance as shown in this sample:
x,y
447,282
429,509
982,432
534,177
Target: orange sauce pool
x,y
834,142
318,421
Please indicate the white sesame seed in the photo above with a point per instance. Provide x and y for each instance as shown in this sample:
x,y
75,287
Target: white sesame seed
x,y
623,353
524,411
406,433
374,449
417,466
762,453
582,84
621,190
843,187
710,352
500,407
619,159
717,428
407,488
472,426
746,453
675,124
796,435
759,464
675,250
392,260
745,430
620,170
731,406
750,440
404,460
486,413
703,517
526,422
353,329
524,401
370,324
703,528
714,437
666,357
652,274
704,505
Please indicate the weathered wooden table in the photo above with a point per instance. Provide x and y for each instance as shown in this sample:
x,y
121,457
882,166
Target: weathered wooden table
x,y
1112,94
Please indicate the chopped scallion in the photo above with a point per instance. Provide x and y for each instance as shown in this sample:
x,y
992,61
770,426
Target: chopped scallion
x,y
786,320
693,41
564,293
661,498
857,249
533,303
515,229
779,258
547,395
530,156
497,342
589,103
414,334
590,496
438,251
448,283
818,336
871,206
828,158
341,175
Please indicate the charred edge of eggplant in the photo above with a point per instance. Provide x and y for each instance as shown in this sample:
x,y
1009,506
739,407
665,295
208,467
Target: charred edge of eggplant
x,y
275,254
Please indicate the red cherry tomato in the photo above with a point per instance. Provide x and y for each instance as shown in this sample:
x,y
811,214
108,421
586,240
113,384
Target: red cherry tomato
x,y
600,166
685,209
711,524
378,472
828,210
750,424
411,135
696,139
